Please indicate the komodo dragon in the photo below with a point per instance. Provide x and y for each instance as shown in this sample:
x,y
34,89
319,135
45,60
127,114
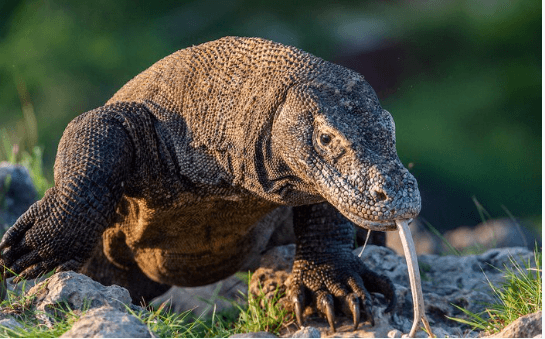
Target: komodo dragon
x,y
175,179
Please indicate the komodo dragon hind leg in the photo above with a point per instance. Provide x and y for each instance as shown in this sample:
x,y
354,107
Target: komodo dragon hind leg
x,y
141,288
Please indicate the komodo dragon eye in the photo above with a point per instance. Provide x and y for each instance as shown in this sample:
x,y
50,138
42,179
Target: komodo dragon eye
x,y
329,145
325,139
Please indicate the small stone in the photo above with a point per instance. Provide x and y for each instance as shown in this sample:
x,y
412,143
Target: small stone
x,y
528,326
107,322
442,333
9,323
307,332
79,291
261,334
419,334
394,334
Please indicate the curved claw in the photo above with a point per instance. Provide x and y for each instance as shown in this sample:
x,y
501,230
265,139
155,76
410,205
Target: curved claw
x,y
360,291
324,303
330,314
296,294
298,311
354,304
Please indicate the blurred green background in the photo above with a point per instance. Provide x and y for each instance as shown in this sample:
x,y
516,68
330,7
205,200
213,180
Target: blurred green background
x,y
461,78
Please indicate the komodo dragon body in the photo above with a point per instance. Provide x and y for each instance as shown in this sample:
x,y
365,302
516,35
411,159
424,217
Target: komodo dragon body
x,y
186,169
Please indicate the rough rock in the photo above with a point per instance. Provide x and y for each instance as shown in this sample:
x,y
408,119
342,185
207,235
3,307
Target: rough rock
x,y
446,280
79,291
395,334
261,334
528,326
16,193
307,332
108,322
269,282
8,323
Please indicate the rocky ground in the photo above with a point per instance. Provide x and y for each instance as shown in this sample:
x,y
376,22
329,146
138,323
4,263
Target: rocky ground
x,y
447,280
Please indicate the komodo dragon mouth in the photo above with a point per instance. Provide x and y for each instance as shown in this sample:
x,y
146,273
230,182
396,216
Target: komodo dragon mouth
x,y
387,225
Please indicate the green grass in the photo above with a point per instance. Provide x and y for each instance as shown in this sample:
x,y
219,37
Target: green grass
x,y
519,295
258,313
31,327
263,314
33,162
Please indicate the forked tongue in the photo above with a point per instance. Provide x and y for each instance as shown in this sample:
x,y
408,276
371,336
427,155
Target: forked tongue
x,y
414,277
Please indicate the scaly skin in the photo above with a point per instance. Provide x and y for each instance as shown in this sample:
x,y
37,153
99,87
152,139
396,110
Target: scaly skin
x,y
180,171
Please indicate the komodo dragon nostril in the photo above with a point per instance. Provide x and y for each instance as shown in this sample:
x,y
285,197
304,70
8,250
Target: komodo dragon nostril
x,y
379,195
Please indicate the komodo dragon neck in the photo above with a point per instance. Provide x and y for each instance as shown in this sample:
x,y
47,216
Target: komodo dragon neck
x,y
217,103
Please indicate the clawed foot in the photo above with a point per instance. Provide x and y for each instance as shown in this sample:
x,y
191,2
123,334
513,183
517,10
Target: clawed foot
x,y
339,286
47,237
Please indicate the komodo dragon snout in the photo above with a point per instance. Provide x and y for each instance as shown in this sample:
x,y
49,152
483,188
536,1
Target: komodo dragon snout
x,y
345,146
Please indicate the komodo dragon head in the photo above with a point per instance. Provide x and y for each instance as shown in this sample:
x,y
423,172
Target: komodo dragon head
x,y
334,134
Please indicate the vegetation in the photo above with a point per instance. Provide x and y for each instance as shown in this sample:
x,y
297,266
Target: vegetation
x,y
258,313
519,295
18,305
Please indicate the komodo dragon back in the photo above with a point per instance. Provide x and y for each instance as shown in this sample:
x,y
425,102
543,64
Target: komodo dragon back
x,y
219,100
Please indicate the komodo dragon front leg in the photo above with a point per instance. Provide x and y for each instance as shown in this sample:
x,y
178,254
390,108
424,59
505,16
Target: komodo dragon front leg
x,y
61,230
326,273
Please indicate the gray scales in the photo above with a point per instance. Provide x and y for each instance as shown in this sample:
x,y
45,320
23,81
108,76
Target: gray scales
x,y
195,162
